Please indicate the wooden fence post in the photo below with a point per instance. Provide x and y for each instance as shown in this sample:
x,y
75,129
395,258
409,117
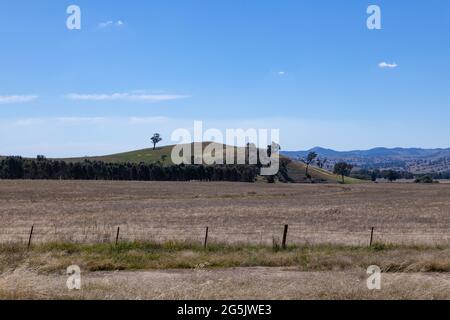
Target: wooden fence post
x,y
117,235
31,235
206,237
371,237
286,227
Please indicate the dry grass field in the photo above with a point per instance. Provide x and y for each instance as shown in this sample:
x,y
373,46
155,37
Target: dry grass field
x,y
75,222
235,283
90,211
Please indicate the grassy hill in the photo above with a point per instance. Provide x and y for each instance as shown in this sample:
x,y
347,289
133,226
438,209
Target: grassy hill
x,y
137,156
144,155
296,170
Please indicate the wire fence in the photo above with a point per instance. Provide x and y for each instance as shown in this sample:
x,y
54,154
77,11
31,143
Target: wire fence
x,y
294,233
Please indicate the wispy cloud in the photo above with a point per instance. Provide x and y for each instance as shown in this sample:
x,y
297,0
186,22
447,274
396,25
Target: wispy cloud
x,y
17,99
81,120
146,120
74,120
110,23
385,65
28,122
124,97
105,24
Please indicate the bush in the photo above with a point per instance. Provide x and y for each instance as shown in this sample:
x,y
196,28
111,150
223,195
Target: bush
x,y
425,179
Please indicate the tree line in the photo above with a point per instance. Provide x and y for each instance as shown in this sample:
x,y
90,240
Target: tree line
x,y
42,168
393,175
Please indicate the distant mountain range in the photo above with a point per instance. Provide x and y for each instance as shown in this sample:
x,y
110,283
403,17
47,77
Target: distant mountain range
x,y
415,160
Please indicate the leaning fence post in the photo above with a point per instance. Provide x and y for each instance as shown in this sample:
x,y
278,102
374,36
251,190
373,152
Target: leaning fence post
x,y
371,237
31,235
206,237
286,227
117,235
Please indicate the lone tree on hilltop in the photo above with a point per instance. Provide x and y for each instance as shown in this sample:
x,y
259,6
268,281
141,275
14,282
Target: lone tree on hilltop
x,y
343,169
156,139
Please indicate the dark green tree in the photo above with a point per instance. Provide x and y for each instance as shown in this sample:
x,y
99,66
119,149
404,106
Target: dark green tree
x,y
391,175
343,169
309,160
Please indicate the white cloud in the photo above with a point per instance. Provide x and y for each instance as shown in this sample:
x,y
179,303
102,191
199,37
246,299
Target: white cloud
x,y
81,120
16,99
281,73
28,122
105,24
146,120
124,97
25,122
110,23
87,121
384,65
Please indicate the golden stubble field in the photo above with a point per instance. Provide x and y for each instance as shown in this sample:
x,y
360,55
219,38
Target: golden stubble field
x,y
229,284
91,211
75,222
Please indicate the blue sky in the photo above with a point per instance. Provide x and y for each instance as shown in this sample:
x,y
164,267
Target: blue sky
x,y
310,68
